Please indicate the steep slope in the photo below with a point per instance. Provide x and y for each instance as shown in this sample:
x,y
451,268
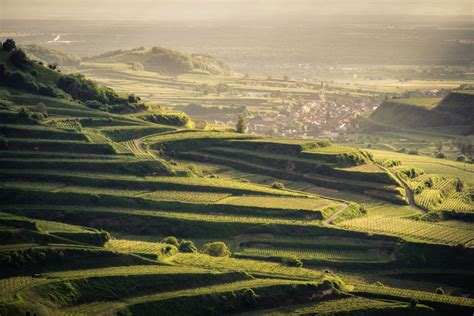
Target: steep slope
x,y
455,109
460,103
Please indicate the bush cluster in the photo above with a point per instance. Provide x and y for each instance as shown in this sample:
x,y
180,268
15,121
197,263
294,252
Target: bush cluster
x,y
24,81
292,262
186,246
215,249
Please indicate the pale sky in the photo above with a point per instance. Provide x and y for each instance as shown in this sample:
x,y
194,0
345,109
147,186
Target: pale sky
x,y
224,9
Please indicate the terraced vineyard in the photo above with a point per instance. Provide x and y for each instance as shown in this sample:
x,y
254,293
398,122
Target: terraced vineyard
x,y
312,256
411,229
438,193
347,305
121,207
136,148
202,197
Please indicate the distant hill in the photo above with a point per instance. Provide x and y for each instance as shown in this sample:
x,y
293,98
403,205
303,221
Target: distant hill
x,y
51,56
456,109
163,60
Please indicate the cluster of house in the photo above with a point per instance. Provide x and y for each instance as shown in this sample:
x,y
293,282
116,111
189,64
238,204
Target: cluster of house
x,y
329,119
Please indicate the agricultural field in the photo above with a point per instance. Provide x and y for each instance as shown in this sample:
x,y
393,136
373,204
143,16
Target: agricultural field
x,y
412,229
133,209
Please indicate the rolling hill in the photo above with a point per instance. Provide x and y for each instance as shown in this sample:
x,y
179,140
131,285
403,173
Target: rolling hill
x,y
163,60
51,56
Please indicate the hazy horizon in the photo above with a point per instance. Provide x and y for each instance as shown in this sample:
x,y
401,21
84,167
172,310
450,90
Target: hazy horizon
x,y
209,10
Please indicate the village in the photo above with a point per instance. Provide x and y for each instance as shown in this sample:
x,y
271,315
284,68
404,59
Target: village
x,y
322,118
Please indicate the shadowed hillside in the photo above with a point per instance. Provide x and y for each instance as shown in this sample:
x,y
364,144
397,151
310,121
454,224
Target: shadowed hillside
x,y
456,109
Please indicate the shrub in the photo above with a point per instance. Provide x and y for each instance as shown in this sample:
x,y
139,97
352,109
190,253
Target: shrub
x,y
413,303
9,45
216,249
81,88
93,104
461,158
187,246
169,250
50,91
278,185
37,117
327,285
5,104
413,152
171,240
26,117
168,118
136,66
249,298
439,291
18,58
440,155
292,262
41,108
133,98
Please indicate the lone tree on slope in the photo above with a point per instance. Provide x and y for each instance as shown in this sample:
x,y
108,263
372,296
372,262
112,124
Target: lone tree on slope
x,y
241,125
9,45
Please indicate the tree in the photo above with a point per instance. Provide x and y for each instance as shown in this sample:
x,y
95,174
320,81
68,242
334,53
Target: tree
x,y
187,246
278,185
241,125
441,155
41,108
18,58
133,98
292,262
461,158
171,240
9,45
459,185
439,145
169,250
413,303
216,249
